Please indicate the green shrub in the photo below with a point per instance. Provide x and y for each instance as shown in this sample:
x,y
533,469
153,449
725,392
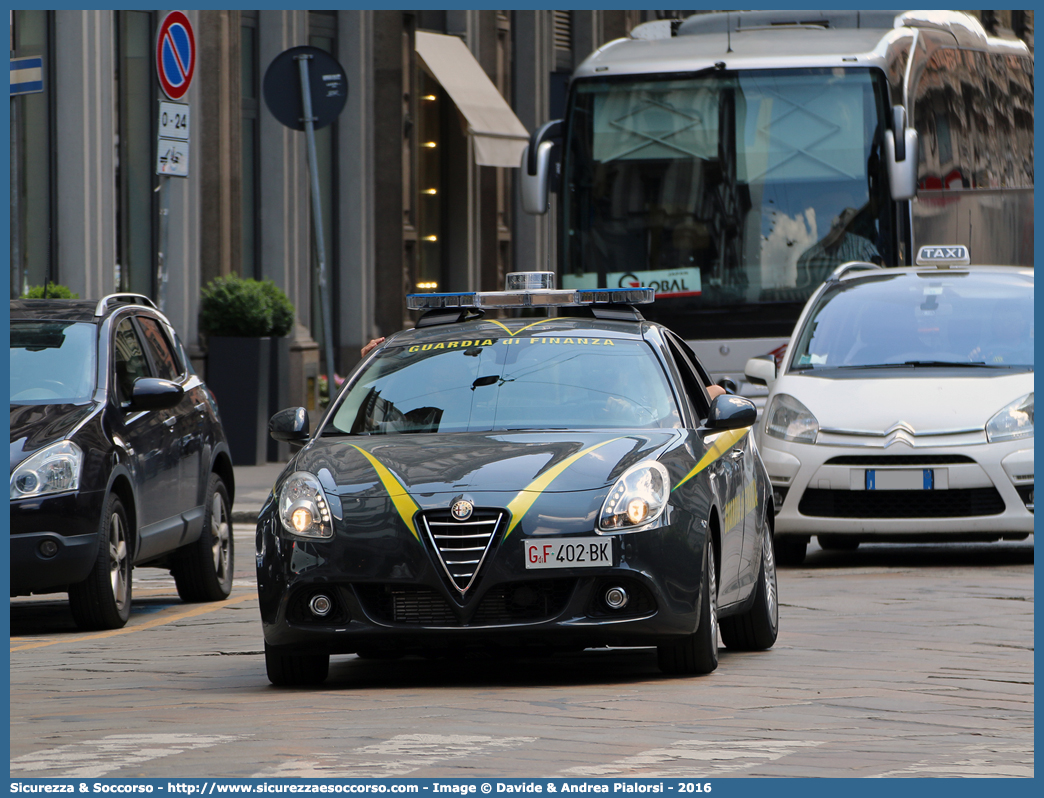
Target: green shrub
x,y
282,308
245,308
54,291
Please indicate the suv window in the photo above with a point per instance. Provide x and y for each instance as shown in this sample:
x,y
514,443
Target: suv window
x,y
162,354
129,360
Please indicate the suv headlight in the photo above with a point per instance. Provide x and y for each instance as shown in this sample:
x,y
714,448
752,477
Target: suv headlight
x,y
1013,421
790,420
303,508
637,499
55,469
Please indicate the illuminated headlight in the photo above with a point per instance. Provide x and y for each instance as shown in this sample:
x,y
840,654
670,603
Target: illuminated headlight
x,y
1013,421
637,499
790,420
303,508
55,469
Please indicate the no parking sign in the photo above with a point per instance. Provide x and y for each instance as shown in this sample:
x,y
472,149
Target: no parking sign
x,y
175,54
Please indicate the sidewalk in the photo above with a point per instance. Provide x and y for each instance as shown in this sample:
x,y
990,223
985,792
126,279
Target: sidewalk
x,y
253,484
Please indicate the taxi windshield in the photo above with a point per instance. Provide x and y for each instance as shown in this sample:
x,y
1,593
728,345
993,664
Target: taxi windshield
x,y
510,383
922,319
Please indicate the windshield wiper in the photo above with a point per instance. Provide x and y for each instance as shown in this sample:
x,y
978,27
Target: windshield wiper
x,y
943,363
928,364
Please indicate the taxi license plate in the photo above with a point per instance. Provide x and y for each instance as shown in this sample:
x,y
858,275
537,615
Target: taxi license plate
x,y
905,479
569,553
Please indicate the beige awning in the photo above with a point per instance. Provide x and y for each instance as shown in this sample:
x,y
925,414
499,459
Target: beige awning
x,y
498,135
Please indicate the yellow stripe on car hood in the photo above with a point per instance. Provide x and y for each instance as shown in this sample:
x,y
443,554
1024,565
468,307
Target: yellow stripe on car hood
x,y
402,500
529,494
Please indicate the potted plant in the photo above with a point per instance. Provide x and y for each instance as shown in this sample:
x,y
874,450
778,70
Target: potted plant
x,y
240,317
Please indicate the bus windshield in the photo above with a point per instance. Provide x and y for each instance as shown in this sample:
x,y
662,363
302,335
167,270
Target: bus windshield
x,y
732,193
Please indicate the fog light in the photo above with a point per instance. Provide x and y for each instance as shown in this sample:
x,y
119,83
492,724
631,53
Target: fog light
x,y
320,605
616,598
48,548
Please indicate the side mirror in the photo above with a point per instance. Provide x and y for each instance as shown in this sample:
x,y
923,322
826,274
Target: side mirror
x,y
901,156
731,412
728,384
761,370
535,169
289,425
152,393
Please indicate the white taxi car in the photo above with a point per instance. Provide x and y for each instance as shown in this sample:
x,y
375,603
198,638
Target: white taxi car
x,y
903,409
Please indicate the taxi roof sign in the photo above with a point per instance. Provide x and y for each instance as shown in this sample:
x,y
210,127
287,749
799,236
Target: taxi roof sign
x,y
948,255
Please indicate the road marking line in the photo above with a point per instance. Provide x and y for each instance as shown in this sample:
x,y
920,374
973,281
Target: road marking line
x,y
200,610
97,758
395,758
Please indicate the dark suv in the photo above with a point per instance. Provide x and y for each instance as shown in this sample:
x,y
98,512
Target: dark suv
x,y
117,458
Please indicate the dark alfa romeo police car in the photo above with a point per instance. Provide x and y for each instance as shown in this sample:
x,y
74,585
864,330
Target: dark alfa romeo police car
x,y
554,483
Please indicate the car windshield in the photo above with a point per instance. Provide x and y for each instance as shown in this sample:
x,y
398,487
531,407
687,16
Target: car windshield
x,y
52,362
922,319
536,382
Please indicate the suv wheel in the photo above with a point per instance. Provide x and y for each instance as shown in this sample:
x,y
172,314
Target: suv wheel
x,y
103,599
203,570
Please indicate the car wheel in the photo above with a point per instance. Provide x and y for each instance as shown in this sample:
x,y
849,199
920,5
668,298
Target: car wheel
x,y
203,570
837,542
302,670
103,599
790,551
756,629
697,653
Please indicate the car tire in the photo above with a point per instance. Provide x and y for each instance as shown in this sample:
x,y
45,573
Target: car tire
x,y
202,570
757,628
302,670
103,599
790,550
698,652
837,543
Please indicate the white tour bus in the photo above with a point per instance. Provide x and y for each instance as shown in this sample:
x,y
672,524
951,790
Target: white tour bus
x,y
733,160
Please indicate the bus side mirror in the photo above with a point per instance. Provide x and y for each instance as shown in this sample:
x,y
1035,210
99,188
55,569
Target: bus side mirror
x,y
901,155
536,166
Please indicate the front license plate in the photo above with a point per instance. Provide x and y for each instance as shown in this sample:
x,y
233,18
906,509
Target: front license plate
x,y
569,553
906,479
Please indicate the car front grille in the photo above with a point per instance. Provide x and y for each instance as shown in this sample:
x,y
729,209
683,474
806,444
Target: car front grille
x,y
901,503
512,602
877,460
462,545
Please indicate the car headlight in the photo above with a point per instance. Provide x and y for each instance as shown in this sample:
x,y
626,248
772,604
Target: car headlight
x,y
303,508
637,499
1013,421
790,420
55,469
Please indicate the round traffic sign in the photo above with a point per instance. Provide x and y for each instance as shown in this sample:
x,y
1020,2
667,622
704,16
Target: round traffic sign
x,y
175,54
282,87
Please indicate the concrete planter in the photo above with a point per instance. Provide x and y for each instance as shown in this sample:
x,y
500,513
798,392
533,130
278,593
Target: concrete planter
x,y
238,372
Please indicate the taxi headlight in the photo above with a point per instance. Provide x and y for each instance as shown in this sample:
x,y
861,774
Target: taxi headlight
x,y
303,507
1013,421
790,420
55,469
637,500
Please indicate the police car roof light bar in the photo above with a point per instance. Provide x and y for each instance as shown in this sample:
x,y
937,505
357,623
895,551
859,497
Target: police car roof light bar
x,y
533,299
531,290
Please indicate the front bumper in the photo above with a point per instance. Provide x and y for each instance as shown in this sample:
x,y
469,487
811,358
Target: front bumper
x,y
389,591
69,521
979,490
